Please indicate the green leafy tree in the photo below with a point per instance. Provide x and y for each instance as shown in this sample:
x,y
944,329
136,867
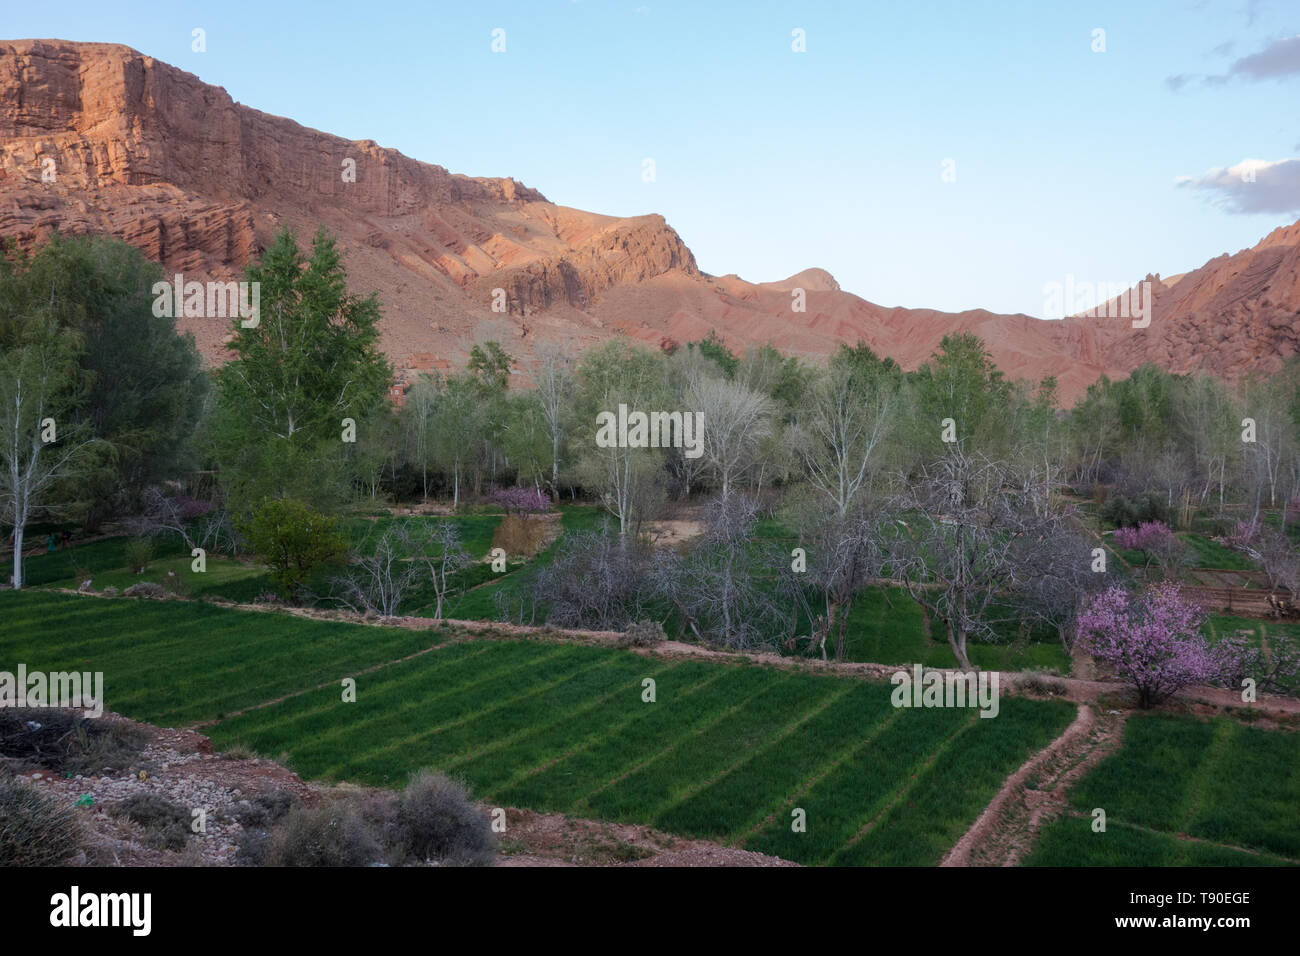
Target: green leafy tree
x,y
712,347
961,382
311,361
294,540
143,388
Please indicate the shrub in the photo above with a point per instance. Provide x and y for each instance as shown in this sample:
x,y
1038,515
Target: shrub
x,y
34,830
294,540
436,820
521,500
332,833
264,809
146,589
1153,641
66,742
166,824
643,634
139,552
1123,513
1043,684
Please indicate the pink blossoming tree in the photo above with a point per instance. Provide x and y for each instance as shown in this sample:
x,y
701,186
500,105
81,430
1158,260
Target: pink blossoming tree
x,y
1152,640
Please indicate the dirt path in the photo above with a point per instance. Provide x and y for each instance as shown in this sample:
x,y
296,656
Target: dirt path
x,y
1036,793
1077,689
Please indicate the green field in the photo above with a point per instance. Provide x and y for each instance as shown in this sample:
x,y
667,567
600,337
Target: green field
x,y
174,662
1185,792
726,751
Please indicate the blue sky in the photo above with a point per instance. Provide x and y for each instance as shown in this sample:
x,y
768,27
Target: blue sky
x,y
768,161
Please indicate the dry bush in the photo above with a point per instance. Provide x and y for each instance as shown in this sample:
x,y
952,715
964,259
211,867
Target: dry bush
x,y
166,824
331,833
524,535
437,821
34,830
643,634
67,742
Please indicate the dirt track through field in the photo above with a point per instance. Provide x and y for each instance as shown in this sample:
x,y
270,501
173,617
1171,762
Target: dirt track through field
x,y
1034,794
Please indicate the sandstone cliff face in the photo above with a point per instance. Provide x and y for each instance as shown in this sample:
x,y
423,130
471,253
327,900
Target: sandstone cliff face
x,y
149,153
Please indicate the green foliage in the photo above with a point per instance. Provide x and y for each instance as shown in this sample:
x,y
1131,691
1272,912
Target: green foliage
x,y
713,348
139,552
294,540
1123,513
140,390
244,658
312,361
961,382
490,365
1215,781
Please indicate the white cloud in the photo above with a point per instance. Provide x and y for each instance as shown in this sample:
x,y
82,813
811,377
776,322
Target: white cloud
x,y
1251,186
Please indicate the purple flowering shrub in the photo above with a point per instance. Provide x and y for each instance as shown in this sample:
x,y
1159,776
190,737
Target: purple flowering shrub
x,y
1153,640
521,500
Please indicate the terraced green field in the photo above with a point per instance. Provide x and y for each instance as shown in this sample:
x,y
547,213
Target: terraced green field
x,y
1185,792
725,751
173,663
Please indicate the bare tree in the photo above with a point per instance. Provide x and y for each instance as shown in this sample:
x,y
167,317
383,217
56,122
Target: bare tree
x,y
556,385
735,420
1060,583
440,550
197,523
718,587
847,553
377,583
839,431
967,546
39,445
598,580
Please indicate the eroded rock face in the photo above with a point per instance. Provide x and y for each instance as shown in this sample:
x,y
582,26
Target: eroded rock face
x,y
101,138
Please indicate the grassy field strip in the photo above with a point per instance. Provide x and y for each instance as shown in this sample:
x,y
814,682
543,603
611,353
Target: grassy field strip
x,y
293,716
1069,841
779,743
584,691
561,786
537,752
516,715
216,680
618,797
1255,802
313,716
217,693
905,786
1211,758
957,785
852,794
177,680
399,726
784,778
1125,786
655,787
398,758
444,646
1181,790
80,628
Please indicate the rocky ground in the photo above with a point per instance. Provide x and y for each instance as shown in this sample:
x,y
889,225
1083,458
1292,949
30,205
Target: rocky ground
x,y
181,767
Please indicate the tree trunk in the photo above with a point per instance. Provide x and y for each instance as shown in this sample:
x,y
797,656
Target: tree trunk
x,y
18,555
957,641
